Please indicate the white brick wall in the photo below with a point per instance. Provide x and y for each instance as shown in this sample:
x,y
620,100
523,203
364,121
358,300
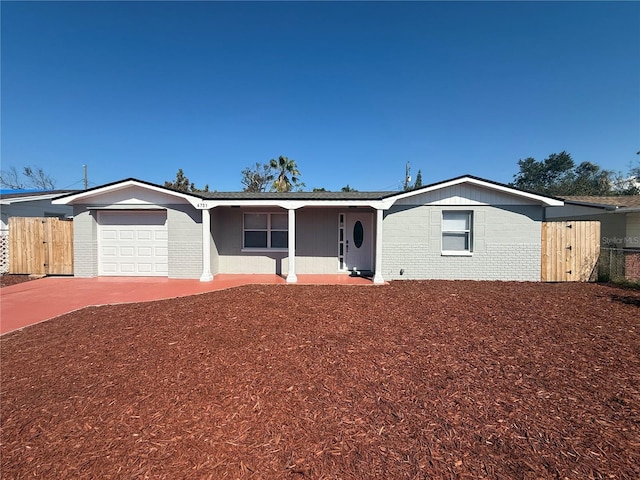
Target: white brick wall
x,y
506,241
85,243
506,244
185,241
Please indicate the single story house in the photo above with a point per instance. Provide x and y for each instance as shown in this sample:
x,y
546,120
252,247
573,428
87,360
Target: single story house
x,y
463,228
619,218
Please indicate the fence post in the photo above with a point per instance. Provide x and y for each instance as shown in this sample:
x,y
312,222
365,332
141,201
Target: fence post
x,y
610,263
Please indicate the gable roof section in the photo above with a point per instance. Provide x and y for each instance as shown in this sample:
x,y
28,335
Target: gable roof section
x,y
86,195
482,183
380,200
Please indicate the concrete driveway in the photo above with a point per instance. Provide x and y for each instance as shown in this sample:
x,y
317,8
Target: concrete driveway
x,y
38,300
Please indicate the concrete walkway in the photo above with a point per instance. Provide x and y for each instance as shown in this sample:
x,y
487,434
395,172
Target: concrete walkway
x,y
35,301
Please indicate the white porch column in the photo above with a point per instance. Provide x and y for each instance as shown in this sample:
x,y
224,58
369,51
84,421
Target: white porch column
x,y
291,276
206,246
377,276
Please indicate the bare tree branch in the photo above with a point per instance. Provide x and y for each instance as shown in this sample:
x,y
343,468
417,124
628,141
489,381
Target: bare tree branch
x,y
32,177
39,179
11,179
257,179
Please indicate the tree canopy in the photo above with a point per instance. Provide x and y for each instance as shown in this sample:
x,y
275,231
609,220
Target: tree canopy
x,y
258,178
559,175
182,184
287,174
418,182
279,175
31,177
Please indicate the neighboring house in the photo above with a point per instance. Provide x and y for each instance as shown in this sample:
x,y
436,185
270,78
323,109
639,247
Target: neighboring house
x,y
619,218
31,204
463,228
26,204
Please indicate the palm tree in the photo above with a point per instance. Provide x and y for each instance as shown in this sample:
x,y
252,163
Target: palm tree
x,y
285,167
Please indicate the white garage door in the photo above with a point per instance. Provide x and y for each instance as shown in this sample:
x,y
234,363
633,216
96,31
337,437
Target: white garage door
x,y
133,243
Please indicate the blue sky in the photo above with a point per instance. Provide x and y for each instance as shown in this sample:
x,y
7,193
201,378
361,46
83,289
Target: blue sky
x,y
350,90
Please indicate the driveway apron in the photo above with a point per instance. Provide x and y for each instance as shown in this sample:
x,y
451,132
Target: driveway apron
x,y
34,301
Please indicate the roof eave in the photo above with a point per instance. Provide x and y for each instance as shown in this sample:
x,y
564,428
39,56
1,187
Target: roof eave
x,y
292,204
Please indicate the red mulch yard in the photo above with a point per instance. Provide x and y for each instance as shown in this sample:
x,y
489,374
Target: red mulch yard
x,y
413,380
8,280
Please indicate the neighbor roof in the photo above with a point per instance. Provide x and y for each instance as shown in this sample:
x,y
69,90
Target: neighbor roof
x,y
619,201
22,196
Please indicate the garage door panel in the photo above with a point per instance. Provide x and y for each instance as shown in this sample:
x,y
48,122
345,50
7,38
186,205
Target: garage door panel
x,y
133,243
145,268
109,268
145,235
127,267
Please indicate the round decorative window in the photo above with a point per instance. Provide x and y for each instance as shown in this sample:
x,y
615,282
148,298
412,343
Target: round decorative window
x,y
358,234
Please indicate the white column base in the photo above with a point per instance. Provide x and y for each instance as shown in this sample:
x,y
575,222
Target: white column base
x,y
292,278
206,277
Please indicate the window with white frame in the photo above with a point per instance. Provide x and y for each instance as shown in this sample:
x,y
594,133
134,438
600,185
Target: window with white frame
x,y
457,232
265,230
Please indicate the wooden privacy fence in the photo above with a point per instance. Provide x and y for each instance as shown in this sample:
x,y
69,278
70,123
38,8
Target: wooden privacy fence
x,y
40,246
570,251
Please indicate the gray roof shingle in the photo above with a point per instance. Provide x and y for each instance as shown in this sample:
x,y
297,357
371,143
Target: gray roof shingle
x,y
616,201
295,195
